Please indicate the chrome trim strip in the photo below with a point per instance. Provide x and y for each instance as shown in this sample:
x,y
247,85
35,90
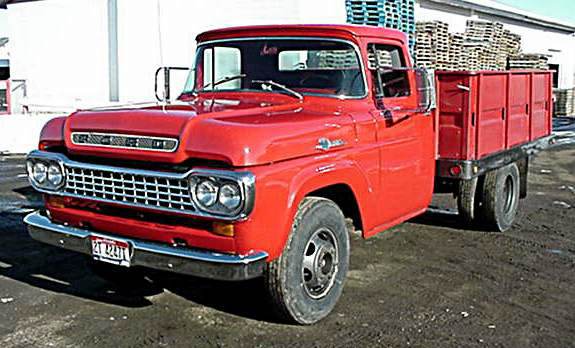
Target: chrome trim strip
x,y
315,38
153,255
175,147
245,180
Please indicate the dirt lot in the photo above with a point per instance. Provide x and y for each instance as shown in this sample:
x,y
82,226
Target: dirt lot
x,y
426,283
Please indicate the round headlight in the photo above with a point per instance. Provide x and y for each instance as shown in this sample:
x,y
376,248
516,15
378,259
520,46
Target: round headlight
x,y
206,193
230,196
39,172
55,175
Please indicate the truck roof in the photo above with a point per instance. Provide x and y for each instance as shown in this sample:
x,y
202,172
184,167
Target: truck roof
x,y
346,31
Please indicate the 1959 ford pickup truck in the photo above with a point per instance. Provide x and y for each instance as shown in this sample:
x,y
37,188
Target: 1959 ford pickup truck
x,y
281,136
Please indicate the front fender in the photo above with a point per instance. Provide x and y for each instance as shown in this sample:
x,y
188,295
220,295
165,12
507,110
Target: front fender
x,y
316,177
281,187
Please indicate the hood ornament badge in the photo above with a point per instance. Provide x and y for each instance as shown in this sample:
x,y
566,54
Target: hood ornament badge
x,y
325,144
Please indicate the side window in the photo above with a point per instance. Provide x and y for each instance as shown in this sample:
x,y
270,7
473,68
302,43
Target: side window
x,y
388,71
227,61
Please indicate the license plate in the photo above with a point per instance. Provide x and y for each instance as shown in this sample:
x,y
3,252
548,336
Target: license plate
x,y
111,250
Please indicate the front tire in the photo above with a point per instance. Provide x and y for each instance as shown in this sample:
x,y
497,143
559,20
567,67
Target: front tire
x,y
306,281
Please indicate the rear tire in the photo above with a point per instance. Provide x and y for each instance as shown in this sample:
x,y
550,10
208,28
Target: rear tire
x,y
306,281
466,201
500,200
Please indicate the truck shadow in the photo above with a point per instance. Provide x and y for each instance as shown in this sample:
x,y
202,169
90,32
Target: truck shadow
x,y
246,299
445,218
57,270
49,268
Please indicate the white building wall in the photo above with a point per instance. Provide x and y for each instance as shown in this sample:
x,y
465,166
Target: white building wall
x,y
60,48
3,23
560,47
181,20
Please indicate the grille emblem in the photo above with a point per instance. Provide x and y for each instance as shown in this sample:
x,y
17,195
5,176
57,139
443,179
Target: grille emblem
x,y
123,141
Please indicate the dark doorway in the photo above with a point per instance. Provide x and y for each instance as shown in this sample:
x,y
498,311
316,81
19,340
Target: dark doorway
x,y
555,68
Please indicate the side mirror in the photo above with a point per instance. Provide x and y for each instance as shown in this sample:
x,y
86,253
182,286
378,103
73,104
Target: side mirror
x,y
165,74
426,95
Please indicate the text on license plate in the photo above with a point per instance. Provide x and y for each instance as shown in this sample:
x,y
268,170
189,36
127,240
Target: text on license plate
x,y
111,250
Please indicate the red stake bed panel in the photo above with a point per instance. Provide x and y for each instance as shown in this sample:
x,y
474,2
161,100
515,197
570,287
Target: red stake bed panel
x,y
485,112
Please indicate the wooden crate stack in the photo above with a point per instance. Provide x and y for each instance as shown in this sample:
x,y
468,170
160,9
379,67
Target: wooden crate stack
x,y
432,45
564,102
525,61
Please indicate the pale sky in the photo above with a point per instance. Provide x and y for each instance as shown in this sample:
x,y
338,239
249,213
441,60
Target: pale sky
x,y
560,9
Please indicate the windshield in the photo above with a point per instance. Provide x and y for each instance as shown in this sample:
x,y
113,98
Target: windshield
x,y
306,66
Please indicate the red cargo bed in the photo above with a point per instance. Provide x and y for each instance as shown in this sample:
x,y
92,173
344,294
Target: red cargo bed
x,y
486,115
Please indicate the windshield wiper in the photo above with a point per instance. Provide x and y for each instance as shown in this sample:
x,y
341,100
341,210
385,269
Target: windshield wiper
x,y
280,86
224,80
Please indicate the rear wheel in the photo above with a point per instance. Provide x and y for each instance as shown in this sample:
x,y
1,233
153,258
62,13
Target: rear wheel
x,y
306,281
500,201
467,200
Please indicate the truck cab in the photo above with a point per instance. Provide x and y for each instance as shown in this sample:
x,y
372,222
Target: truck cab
x,y
282,137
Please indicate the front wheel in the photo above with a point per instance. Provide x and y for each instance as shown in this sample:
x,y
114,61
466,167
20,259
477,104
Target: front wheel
x,y
306,281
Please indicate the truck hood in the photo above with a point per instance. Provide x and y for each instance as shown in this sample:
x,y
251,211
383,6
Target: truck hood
x,y
239,133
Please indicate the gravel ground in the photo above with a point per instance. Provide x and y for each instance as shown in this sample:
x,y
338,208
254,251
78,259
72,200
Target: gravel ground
x,y
424,283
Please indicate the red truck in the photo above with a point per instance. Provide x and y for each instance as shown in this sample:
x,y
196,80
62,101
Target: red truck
x,y
282,135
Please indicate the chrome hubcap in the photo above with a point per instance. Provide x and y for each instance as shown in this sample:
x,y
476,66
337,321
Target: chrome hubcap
x,y
320,263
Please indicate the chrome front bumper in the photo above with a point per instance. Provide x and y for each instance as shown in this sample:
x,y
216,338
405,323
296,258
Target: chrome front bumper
x,y
153,255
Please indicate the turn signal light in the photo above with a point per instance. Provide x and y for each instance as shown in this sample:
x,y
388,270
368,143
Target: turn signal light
x,y
56,202
223,229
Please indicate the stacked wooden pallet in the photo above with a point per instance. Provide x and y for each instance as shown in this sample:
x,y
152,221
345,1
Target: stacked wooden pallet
x,y
485,40
565,102
512,43
395,14
456,59
432,45
337,60
483,46
528,61
381,59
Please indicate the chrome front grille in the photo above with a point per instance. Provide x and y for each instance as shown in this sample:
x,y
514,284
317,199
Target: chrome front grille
x,y
151,191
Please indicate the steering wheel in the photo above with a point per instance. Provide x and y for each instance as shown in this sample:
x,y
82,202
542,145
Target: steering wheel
x,y
398,92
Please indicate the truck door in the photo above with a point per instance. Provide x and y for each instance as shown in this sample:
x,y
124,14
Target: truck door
x,y
405,136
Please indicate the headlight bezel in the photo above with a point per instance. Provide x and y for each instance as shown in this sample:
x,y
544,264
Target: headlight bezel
x,y
242,181
47,162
